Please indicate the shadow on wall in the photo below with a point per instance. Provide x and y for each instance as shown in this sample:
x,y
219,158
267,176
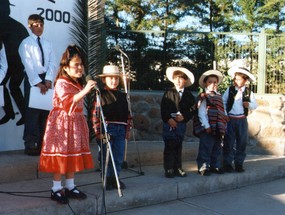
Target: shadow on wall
x,y
12,32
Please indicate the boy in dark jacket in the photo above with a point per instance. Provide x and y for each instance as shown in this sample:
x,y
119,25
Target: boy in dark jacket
x,y
177,108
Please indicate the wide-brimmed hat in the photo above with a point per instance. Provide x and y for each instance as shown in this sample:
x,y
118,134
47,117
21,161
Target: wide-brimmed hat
x,y
171,70
233,70
210,72
110,70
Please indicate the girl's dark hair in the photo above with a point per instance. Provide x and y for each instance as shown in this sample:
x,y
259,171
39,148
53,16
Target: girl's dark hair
x,y
70,52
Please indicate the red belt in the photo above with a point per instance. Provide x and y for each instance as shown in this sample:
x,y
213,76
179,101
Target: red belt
x,y
237,117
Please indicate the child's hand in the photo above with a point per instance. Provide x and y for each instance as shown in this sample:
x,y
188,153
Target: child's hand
x,y
90,85
179,118
43,88
246,104
172,123
99,136
48,84
209,130
128,135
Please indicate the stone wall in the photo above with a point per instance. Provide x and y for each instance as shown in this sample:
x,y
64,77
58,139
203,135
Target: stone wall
x,y
266,123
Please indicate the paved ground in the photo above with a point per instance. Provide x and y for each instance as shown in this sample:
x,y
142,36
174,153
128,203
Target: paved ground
x,y
25,191
260,199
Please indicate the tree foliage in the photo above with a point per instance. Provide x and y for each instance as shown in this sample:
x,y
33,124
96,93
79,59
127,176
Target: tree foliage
x,y
157,34
88,31
163,41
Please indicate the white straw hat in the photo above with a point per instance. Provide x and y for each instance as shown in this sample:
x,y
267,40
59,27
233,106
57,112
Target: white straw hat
x,y
240,66
210,72
233,70
171,70
110,70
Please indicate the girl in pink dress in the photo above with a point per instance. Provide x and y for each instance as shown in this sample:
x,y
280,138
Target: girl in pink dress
x,y
65,147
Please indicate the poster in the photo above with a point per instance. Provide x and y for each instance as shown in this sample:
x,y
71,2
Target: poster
x,y
14,15
39,101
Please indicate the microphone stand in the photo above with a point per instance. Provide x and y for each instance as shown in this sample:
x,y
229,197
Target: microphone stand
x,y
109,152
125,163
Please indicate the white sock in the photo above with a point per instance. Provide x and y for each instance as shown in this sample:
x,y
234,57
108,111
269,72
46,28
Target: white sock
x,y
56,186
69,183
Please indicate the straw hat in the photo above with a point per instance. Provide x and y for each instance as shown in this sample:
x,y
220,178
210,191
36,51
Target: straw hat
x,y
210,72
233,70
110,70
171,70
240,66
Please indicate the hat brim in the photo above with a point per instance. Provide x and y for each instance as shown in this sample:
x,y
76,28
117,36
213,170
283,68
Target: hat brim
x,y
109,75
171,70
210,72
235,69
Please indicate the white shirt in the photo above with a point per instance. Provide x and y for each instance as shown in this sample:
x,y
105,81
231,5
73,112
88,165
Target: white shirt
x,y
237,108
31,57
180,92
3,64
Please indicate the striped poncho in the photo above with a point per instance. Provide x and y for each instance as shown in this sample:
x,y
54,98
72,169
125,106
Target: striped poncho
x,y
216,113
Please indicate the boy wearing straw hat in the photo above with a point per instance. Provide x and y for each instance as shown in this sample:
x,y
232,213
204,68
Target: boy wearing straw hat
x,y
177,108
238,99
213,120
117,117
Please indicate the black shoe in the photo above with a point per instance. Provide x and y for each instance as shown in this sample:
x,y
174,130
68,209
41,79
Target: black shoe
x,y
109,186
180,172
59,196
228,168
169,173
75,194
109,183
204,172
20,122
239,168
32,151
216,170
6,118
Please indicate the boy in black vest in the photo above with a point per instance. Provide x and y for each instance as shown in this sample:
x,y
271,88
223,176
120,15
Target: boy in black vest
x,y
238,99
177,108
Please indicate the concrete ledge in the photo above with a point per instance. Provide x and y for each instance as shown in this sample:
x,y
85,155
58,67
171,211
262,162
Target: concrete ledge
x,y
148,189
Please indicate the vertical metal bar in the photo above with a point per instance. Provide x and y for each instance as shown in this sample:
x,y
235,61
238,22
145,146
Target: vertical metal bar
x,y
261,62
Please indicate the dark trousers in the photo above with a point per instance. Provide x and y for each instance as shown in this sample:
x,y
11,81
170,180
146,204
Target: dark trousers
x,y
172,155
173,138
210,150
117,134
35,122
236,139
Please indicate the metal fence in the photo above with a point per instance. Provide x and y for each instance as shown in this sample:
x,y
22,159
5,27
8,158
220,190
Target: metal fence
x,y
265,54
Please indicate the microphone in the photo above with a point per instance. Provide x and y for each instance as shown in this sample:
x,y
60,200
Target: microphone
x,y
88,78
118,48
